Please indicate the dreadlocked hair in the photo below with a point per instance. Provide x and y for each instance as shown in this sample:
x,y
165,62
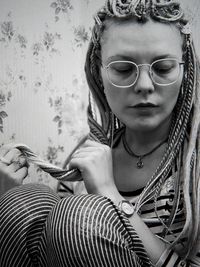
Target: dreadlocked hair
x,y
180,158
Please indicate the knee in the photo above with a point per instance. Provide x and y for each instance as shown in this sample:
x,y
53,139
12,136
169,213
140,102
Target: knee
x,y
25,203
78,226
23,210
24,196
80,213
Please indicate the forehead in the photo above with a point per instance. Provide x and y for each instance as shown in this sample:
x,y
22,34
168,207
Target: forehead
x,y
140,41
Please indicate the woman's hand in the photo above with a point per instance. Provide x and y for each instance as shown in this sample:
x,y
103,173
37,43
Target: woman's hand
x,y
94,161
13,168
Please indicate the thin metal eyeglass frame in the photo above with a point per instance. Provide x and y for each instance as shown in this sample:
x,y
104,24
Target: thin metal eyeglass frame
x,y
138,71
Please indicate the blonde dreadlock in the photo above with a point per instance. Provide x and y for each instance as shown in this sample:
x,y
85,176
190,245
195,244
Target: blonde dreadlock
x,y
186,118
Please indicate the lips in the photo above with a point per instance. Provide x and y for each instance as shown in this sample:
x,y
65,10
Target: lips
x,y
145,105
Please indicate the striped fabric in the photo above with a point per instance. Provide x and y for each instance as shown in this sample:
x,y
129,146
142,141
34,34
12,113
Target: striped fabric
x,y
164,206
40,229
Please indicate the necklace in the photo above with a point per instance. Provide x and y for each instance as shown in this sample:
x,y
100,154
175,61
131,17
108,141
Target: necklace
x,y
140,163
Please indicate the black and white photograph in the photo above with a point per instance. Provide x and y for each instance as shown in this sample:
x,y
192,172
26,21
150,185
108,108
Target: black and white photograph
x,y
99,133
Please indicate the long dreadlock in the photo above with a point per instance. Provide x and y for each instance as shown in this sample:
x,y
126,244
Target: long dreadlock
x,y
186,117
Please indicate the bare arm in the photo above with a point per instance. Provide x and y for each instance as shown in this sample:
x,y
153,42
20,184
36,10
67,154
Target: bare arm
x,y
95,163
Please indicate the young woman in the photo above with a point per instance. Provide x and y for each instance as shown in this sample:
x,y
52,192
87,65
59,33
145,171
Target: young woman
x,y
138,203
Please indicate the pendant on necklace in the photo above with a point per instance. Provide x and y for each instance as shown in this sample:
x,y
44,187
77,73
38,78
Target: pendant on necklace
x,y
140,163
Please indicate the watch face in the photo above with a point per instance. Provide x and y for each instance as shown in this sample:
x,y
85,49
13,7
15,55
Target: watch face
x,y
127,208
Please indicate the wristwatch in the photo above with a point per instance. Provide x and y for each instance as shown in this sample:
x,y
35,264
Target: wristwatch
x,y
126,207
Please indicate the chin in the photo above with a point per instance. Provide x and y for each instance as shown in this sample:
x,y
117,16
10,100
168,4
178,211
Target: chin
x,y
143,128
144,125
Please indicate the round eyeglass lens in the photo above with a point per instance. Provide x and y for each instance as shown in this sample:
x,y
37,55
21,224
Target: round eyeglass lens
x,y
165,71
122,73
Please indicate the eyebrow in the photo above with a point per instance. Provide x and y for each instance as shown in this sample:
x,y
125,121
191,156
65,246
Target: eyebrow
x,y
117,57
164,56
129,58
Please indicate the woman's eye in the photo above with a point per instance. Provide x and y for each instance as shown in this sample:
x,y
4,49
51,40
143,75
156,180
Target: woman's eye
x,y
163,68
121,68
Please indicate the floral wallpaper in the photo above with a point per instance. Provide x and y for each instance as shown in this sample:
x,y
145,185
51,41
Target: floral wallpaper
x,y
43,91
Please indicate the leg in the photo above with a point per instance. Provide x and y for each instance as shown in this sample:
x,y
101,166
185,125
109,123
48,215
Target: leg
x,y
89,231
23,213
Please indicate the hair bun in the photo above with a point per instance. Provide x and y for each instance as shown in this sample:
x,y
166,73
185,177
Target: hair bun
x,y
166,10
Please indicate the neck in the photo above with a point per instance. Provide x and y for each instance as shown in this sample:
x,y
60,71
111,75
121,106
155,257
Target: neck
x,y
143,141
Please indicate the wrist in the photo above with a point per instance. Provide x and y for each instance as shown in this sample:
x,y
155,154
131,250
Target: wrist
x,y
126,208
113,194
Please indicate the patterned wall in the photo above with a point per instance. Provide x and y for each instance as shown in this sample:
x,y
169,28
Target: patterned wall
x,y
43,92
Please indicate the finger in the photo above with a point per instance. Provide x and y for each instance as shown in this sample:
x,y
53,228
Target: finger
x,y
91,143
77,163
17,164
87,153
21,161
86,150
81,155
13,167
91,154
93,147
5,149
21,174
13,155
4,161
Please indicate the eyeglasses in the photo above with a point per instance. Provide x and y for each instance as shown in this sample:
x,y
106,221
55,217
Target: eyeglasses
x,y
124,74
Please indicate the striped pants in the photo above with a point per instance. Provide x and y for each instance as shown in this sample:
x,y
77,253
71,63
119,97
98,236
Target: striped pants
x,y
40,229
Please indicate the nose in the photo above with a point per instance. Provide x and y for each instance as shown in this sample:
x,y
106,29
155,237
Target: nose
x,y
144,83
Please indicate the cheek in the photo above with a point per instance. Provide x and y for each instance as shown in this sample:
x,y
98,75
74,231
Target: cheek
x,y
112,93
172,92
104,79
113,96
171,96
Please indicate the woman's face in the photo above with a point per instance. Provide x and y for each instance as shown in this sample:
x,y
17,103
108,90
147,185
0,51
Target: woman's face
x,y
145,105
